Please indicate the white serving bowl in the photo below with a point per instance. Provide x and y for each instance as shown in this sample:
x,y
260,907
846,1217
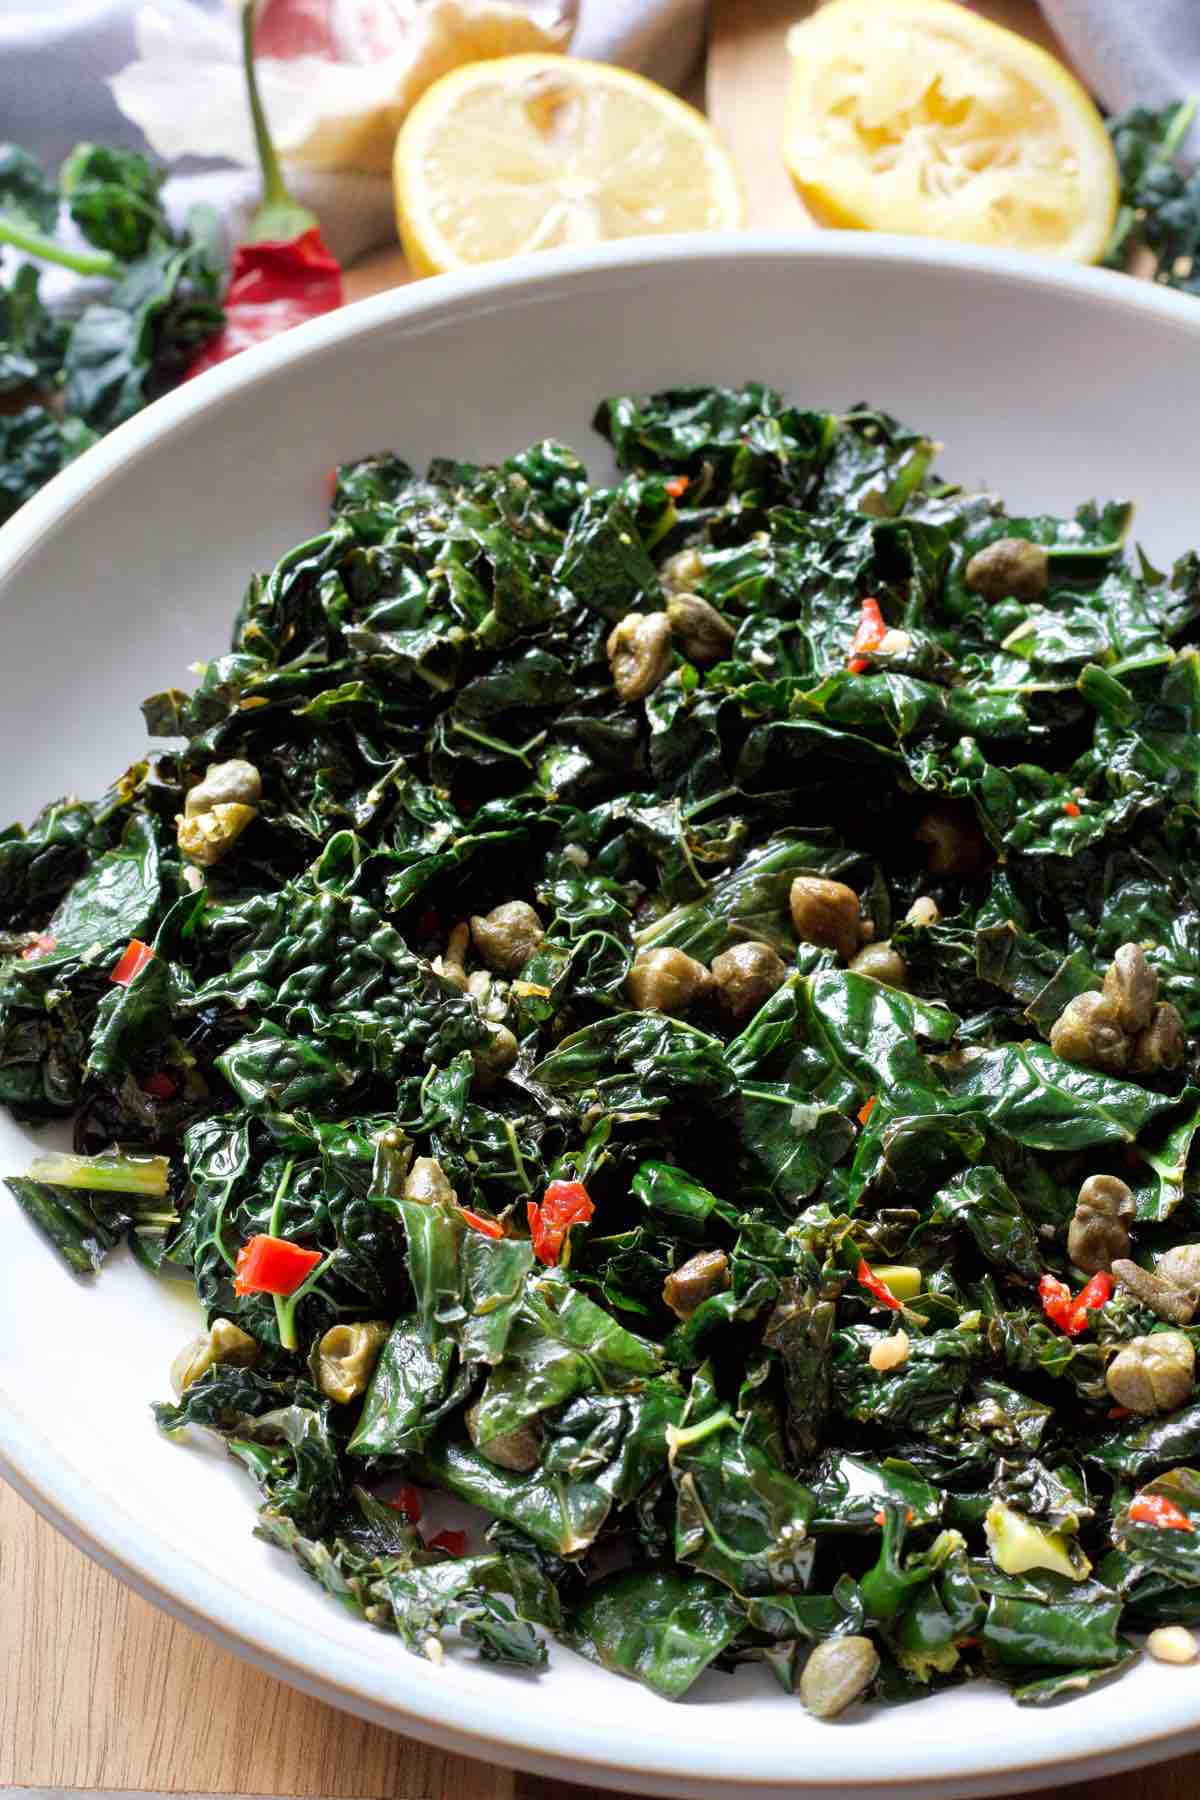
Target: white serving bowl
x,y
1050,384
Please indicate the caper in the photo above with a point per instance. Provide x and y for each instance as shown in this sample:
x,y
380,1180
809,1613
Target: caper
x,y
826,913
1152,1374
343,1362
1088,1031
225,784
680,573
1098,1232
881,963
520,1450
1011,567
507,937
1162,1045
955,844
1164,1300
639,653
702,1275
923,912
746,976
1181,1267
1132,986
428,1183
836,1673
495,1056
666,980
223,1342
700,631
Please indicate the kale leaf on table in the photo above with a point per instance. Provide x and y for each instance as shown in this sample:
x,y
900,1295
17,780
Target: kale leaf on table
x,y
84,371
689,1414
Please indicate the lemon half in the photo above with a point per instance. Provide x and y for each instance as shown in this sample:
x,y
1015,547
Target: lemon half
x,y
534,152
919,116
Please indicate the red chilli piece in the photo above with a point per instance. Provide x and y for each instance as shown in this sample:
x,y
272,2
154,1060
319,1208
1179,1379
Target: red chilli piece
x,y
454,1543
565,1203
873,1285
1156,1509
42,945
677,487
1070,1311
1071,809
872,630
866,1109
402,1499
131,964
159,1085
489,1227
1097,1293
271,1265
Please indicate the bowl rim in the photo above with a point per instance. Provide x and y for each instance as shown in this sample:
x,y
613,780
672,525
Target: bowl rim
x,y
490,1727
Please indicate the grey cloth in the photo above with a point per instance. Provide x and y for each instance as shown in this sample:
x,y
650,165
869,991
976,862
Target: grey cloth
x,y
1133,52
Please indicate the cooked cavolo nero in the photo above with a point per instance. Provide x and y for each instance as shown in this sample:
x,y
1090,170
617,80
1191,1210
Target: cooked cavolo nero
x,y
667,1011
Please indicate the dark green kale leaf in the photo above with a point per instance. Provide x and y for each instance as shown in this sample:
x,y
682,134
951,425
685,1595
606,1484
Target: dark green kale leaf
x,y
662,1627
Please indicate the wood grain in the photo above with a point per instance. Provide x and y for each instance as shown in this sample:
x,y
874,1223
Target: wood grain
x,y
98,1689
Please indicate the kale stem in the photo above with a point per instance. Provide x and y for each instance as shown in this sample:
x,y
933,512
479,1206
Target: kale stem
x,y
285,1305
46,249
678,1436
281,1195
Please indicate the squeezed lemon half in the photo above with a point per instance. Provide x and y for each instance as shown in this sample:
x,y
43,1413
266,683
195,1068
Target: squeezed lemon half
x,y
918,116
539,152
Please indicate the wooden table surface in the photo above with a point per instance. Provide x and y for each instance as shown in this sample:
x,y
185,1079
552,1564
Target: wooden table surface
x,y
98,1689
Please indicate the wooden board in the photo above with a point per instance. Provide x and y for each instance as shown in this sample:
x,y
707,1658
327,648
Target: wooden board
x,y
746,84
98,1689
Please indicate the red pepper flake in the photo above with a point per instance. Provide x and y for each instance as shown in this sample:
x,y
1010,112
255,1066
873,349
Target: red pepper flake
x,y
881,1521
271,1265
1072,811
331,481
871,632
42,945
1097,1293
489,1227
402,1499
1119,1412
565,1203
131,964
866,1109
677,486
1156,1509
453,1542
1070,1312
159,1085
873,1285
